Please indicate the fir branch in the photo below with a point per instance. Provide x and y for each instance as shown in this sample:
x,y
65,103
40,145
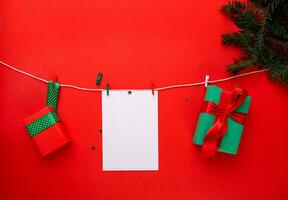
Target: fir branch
x,y
260,39
240,64
242,39
263,36
247,22
233,8
279,72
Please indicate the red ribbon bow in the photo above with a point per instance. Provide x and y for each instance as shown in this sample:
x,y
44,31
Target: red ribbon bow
x,y
222,113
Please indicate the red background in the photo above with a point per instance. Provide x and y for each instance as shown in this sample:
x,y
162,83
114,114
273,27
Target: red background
x,y
134,43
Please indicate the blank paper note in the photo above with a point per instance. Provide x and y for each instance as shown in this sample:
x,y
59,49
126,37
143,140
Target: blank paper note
x,y
130,130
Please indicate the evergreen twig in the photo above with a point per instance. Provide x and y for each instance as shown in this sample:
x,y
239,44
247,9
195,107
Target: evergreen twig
x,y
263,35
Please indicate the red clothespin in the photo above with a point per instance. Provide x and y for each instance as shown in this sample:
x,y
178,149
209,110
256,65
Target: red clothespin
x,y
54,80
153,88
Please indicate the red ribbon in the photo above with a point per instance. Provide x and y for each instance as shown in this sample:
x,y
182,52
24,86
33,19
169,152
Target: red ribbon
x,y
222,112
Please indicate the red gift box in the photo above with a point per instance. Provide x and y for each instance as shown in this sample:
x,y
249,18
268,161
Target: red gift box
x,y
51,138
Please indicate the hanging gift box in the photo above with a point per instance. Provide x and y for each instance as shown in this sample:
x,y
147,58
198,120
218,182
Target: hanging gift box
x,y
44,126
221,121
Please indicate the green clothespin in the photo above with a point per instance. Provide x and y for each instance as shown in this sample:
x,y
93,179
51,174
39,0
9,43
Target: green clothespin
x,y
107,88
99,78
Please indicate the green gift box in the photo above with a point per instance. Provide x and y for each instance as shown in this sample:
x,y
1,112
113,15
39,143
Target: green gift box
x,y
229,143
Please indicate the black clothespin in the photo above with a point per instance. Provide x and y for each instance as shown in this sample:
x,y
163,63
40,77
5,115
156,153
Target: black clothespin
x,y
99,78
107,88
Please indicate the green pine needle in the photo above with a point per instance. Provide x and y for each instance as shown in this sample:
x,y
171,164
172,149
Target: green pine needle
x,y
242,39
234,7
240,64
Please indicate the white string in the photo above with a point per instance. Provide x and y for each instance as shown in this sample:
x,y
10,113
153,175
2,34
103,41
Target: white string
x,y
22,72
213,81
82,88
46,81
156,89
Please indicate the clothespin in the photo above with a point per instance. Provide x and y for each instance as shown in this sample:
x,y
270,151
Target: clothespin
x,y
152,88
54,80
107,88
99,78
206,80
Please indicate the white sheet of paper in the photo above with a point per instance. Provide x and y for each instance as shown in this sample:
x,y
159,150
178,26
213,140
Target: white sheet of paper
x,y
130,130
